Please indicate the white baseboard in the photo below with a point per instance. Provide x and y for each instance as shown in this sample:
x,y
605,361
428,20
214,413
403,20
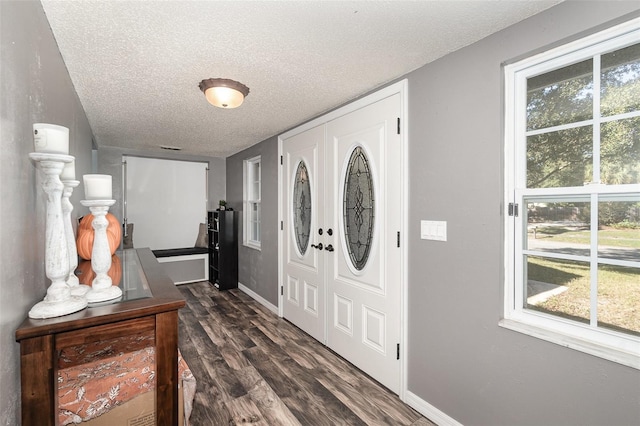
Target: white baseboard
x,y
429,411
255,296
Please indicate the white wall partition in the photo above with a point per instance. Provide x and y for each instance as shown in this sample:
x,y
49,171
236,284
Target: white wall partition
x,y
166,200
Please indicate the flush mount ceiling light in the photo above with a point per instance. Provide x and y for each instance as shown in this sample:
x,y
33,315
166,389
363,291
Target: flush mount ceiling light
x,y
224,93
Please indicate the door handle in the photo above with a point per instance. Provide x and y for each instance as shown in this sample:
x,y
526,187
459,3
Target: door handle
x,y
319,246
329,247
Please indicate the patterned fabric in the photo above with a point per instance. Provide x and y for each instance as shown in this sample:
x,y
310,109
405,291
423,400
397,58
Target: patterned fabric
x,y
104,349
94,378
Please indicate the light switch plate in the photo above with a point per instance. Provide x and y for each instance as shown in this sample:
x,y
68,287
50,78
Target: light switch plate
x,y
433,230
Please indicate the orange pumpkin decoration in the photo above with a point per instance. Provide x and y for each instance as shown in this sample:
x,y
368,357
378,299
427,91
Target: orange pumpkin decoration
x,y
84,242
86,274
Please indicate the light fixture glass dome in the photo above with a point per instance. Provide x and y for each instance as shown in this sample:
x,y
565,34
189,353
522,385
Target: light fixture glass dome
x,y
224,93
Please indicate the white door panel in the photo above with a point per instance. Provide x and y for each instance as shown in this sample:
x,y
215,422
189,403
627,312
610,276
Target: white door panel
x,y
372,288
304,267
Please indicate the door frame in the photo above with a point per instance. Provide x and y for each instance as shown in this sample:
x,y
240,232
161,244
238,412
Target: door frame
x,y
401,88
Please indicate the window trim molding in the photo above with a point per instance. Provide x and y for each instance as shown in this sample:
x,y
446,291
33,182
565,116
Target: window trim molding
x,y
576,341
603,343
246,240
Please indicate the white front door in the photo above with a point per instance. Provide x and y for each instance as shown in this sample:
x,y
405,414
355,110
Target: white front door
x,y
364,206
303,214
342,209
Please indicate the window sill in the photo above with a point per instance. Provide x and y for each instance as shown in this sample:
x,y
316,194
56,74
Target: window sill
x,y
254,246
628,358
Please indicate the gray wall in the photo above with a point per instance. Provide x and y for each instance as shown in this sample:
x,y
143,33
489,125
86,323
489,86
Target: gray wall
x,y
110,162
459,359
34,87
258,269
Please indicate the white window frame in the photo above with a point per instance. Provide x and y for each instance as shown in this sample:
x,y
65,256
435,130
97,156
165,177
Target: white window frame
x,y
608,344
252,199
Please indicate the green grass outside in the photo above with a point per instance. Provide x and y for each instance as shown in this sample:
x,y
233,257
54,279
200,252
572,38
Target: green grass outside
x,y
606,237
618,292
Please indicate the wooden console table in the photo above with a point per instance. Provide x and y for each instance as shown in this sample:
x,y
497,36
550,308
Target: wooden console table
x,y
41,340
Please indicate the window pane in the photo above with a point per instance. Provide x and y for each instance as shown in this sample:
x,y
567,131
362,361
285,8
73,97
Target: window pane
x,y
559,227
620,81
558,287
253,180
560,159
256,181
620,151
302,207
254,222
255,190
358,208
619,230
255,212
255,231
560,97
619,298
255,170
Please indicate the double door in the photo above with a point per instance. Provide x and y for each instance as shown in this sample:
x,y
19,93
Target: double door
x,y
342,216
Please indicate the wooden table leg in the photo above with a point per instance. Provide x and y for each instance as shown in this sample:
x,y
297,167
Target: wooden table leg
x,y
38,385
167,368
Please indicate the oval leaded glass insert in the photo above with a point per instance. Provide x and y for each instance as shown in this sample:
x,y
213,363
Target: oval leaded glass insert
x,y
358,208
302,207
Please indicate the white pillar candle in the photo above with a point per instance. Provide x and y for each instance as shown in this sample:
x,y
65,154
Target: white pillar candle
x,y
97,187
51,138
69,171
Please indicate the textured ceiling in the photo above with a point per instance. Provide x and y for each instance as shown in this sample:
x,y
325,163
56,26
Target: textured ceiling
x,y
136,65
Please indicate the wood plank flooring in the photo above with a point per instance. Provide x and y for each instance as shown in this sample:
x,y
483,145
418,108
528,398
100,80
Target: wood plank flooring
x,y
254,368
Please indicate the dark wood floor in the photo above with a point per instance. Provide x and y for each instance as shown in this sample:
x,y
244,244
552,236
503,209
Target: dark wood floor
x,y
254,368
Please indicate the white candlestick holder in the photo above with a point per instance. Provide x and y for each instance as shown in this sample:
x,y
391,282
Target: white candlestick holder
x,y
102,289
72,280
58,301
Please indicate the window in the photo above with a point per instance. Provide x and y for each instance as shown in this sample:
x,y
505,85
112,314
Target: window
x,y
252,191
358,207
572,187
302,207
